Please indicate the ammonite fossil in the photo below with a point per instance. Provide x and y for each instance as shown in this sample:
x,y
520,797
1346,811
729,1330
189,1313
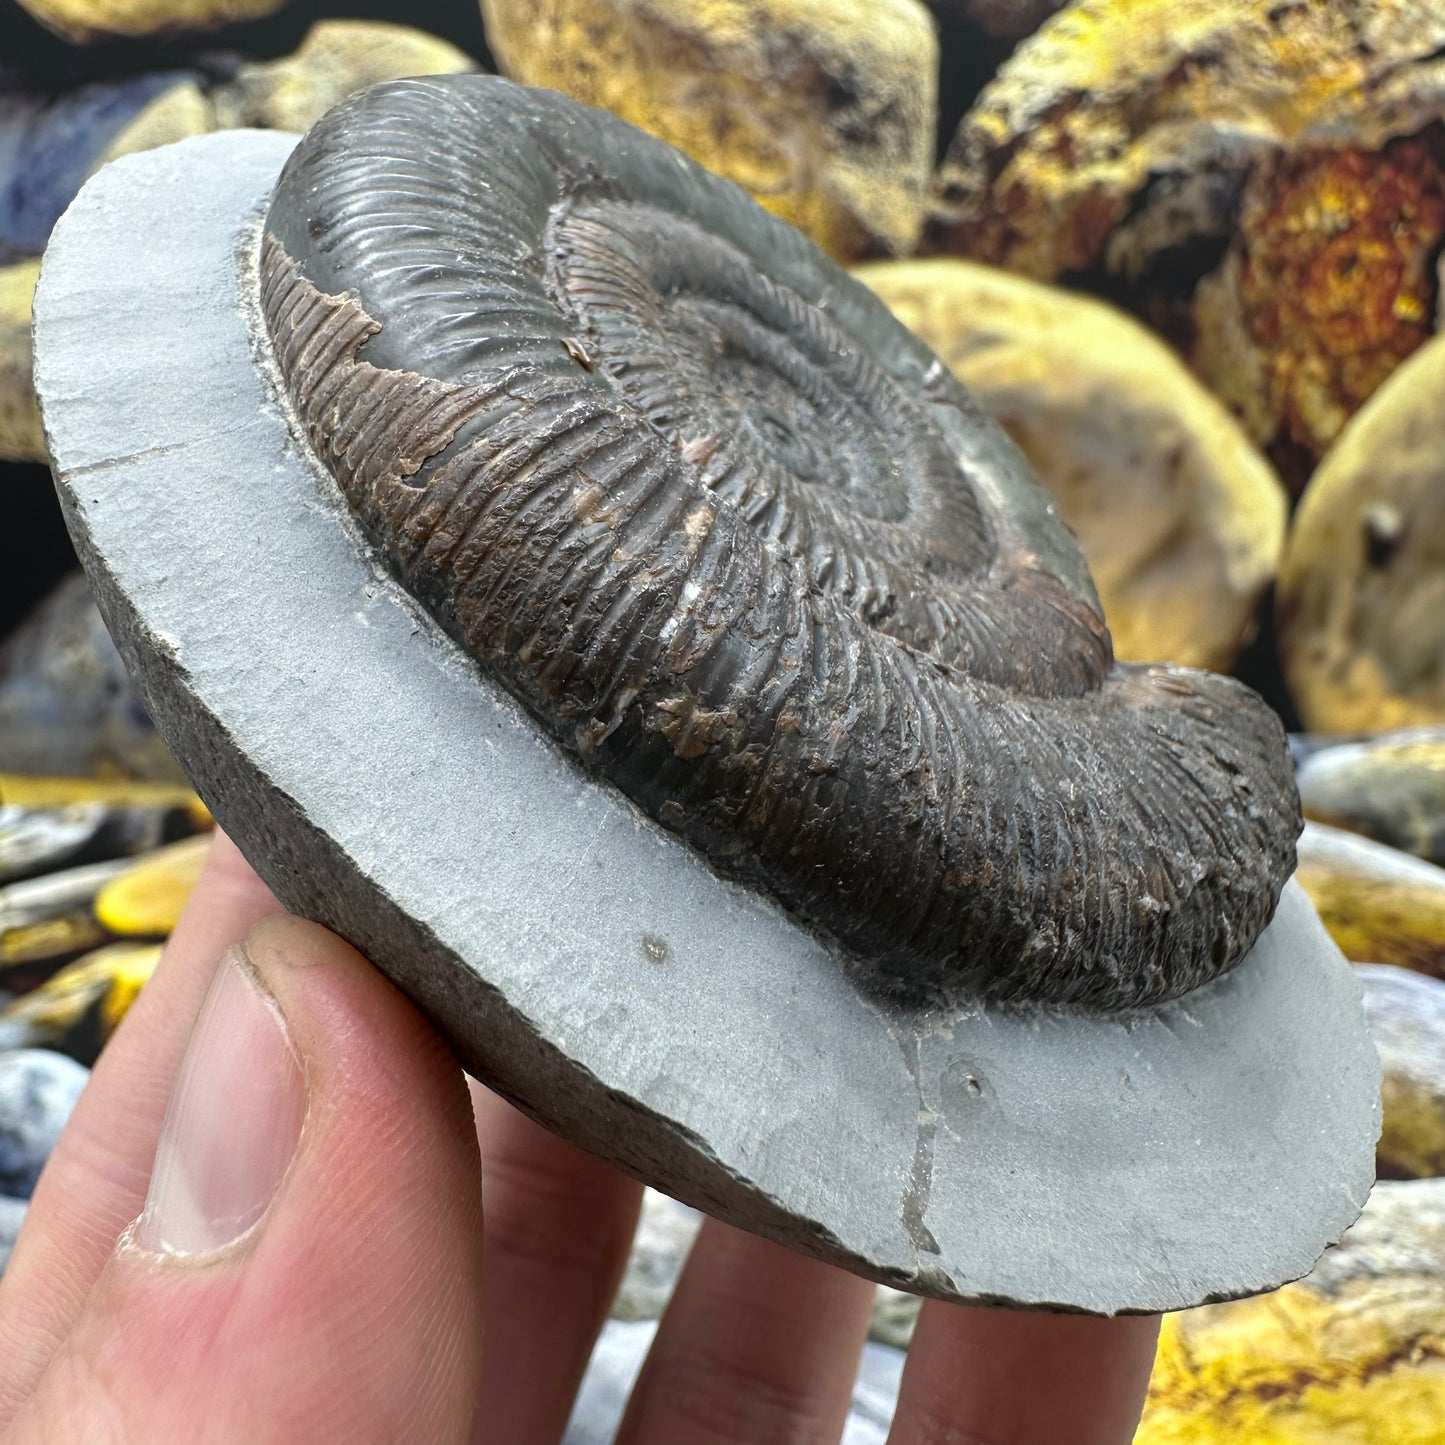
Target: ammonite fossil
x,y
743,544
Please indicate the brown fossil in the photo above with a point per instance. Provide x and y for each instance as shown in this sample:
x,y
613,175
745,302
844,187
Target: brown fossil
x,y
758,559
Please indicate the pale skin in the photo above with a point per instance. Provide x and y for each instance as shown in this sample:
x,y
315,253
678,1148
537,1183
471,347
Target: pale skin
x,y
425,1264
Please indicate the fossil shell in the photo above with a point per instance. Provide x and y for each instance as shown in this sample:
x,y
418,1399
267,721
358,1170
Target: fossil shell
x,y
823,109
749,550
1180,518
1361,606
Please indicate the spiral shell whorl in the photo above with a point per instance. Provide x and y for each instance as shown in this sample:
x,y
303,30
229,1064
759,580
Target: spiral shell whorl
x,y
737,539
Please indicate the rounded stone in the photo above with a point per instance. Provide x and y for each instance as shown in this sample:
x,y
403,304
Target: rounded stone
x,y
88,21
38,1089
1361,606
386,787
1406,1011
1379,905
823,109
20,438
1265,181
1390,788
1181,520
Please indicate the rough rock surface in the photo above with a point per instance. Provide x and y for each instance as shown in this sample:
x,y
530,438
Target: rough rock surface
x,y
1361,607
823,109
1290,154
665,1234
587,963
1353,1355
1180,518
1407,1019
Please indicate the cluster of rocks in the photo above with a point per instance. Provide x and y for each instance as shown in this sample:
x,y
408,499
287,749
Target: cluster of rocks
x,y
1187,253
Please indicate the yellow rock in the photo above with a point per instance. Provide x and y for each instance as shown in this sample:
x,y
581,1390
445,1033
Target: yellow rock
x,y
1137,140
146,901
823,109
1354,1354
1406,1011
89,20
1362,585
1181,519
336,58
1390,788
1379,905
26,791
183,110
110,977
20,436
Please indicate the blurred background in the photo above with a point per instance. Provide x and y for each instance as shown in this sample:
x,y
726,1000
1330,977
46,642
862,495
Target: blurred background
x,y
1188,252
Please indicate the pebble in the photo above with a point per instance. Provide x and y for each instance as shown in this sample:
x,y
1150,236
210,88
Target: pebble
x,y
1406,1011
67,705
1379,905
88,21
1361,603
1390,788
823,109
1262,179
38,1089
146,900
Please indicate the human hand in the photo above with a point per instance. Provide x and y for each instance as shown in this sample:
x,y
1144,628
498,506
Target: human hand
x,y
309,1264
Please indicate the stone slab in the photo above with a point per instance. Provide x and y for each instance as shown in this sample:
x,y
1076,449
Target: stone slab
x,y
582,960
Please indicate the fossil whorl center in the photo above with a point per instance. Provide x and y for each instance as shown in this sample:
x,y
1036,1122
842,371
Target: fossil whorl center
x,y
742,543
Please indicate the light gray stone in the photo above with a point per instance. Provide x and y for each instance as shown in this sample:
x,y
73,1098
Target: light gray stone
x,y
582,960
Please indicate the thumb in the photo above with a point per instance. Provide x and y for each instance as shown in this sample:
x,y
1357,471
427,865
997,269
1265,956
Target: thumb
x,y
307,1265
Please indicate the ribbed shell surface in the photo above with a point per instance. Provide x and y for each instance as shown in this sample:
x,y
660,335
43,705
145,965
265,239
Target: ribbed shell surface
x,y
747,549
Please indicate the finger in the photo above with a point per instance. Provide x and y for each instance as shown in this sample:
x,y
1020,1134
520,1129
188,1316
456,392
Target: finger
x,y
291,1283
96,1178
1013,1377
757,1344
559,1224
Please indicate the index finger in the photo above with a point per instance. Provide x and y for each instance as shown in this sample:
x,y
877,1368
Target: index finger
x,y
1023,1377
